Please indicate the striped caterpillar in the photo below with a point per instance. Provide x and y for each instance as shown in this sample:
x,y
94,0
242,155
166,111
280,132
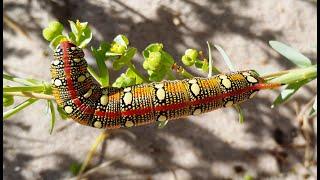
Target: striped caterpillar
x,y
82,98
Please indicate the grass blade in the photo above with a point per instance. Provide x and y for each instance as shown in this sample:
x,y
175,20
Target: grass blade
x,y
240,112
225,57
291,54
53,116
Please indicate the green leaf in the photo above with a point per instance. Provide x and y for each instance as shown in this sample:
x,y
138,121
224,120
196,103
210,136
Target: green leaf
x,y
54,29
7,100
130,73
117,48
80,33
225,57
62,113
198,64
121,40
157,75
124,81
291,54
56,41
167,59
72,38
240,112
248,177
288,92
18,108
100,57
125,59
155,47
23,81
86,38
73,27
75,168
205,66
162,124
53,116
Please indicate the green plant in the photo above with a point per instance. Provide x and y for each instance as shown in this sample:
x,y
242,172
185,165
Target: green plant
x,y
158,65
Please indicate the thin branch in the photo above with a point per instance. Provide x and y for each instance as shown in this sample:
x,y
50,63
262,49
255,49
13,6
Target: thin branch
x,y
31,95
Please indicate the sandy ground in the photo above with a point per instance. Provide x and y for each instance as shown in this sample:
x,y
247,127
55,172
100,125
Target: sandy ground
x,y
209,146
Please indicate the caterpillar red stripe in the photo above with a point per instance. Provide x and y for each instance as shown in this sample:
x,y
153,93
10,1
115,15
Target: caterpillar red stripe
x,y
76,91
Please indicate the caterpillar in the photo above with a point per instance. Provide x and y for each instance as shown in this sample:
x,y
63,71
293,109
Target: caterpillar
x,y
82,98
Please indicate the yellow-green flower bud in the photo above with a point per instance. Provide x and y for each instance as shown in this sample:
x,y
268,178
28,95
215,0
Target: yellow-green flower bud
x,y
117,48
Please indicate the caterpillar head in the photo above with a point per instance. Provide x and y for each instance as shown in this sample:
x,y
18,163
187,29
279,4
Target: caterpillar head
x,y
68,49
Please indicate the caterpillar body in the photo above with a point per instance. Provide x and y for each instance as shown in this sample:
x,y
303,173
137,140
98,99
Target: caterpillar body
x,y
82,98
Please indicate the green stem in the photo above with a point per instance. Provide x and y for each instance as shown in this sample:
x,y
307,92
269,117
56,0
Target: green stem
x,y
294,76
19,80
131,67
171,76
186,74
30,95
18,108
24,88
210,60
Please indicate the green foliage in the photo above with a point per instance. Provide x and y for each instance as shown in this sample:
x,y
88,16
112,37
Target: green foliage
x,y
120,44
53,115
75,168
225,58
53,30
125,59
291,54
296,78
100,56
80,34
157,62
7,100
190,56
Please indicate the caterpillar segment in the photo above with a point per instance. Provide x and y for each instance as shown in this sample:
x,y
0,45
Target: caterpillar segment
x,y
82,98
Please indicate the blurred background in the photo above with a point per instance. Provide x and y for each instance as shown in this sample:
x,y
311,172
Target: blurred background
x,y
210,146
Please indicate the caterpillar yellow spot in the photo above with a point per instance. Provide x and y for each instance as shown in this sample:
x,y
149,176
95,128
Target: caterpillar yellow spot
x,y
229,103
88,94
97,124
57,82
161,94
127,99
252,79
197,112
81,78
129,124
195,89
162,118
68,109
226,83
104,100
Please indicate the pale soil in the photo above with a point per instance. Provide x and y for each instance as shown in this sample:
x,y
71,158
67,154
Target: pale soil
x,y
209,146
